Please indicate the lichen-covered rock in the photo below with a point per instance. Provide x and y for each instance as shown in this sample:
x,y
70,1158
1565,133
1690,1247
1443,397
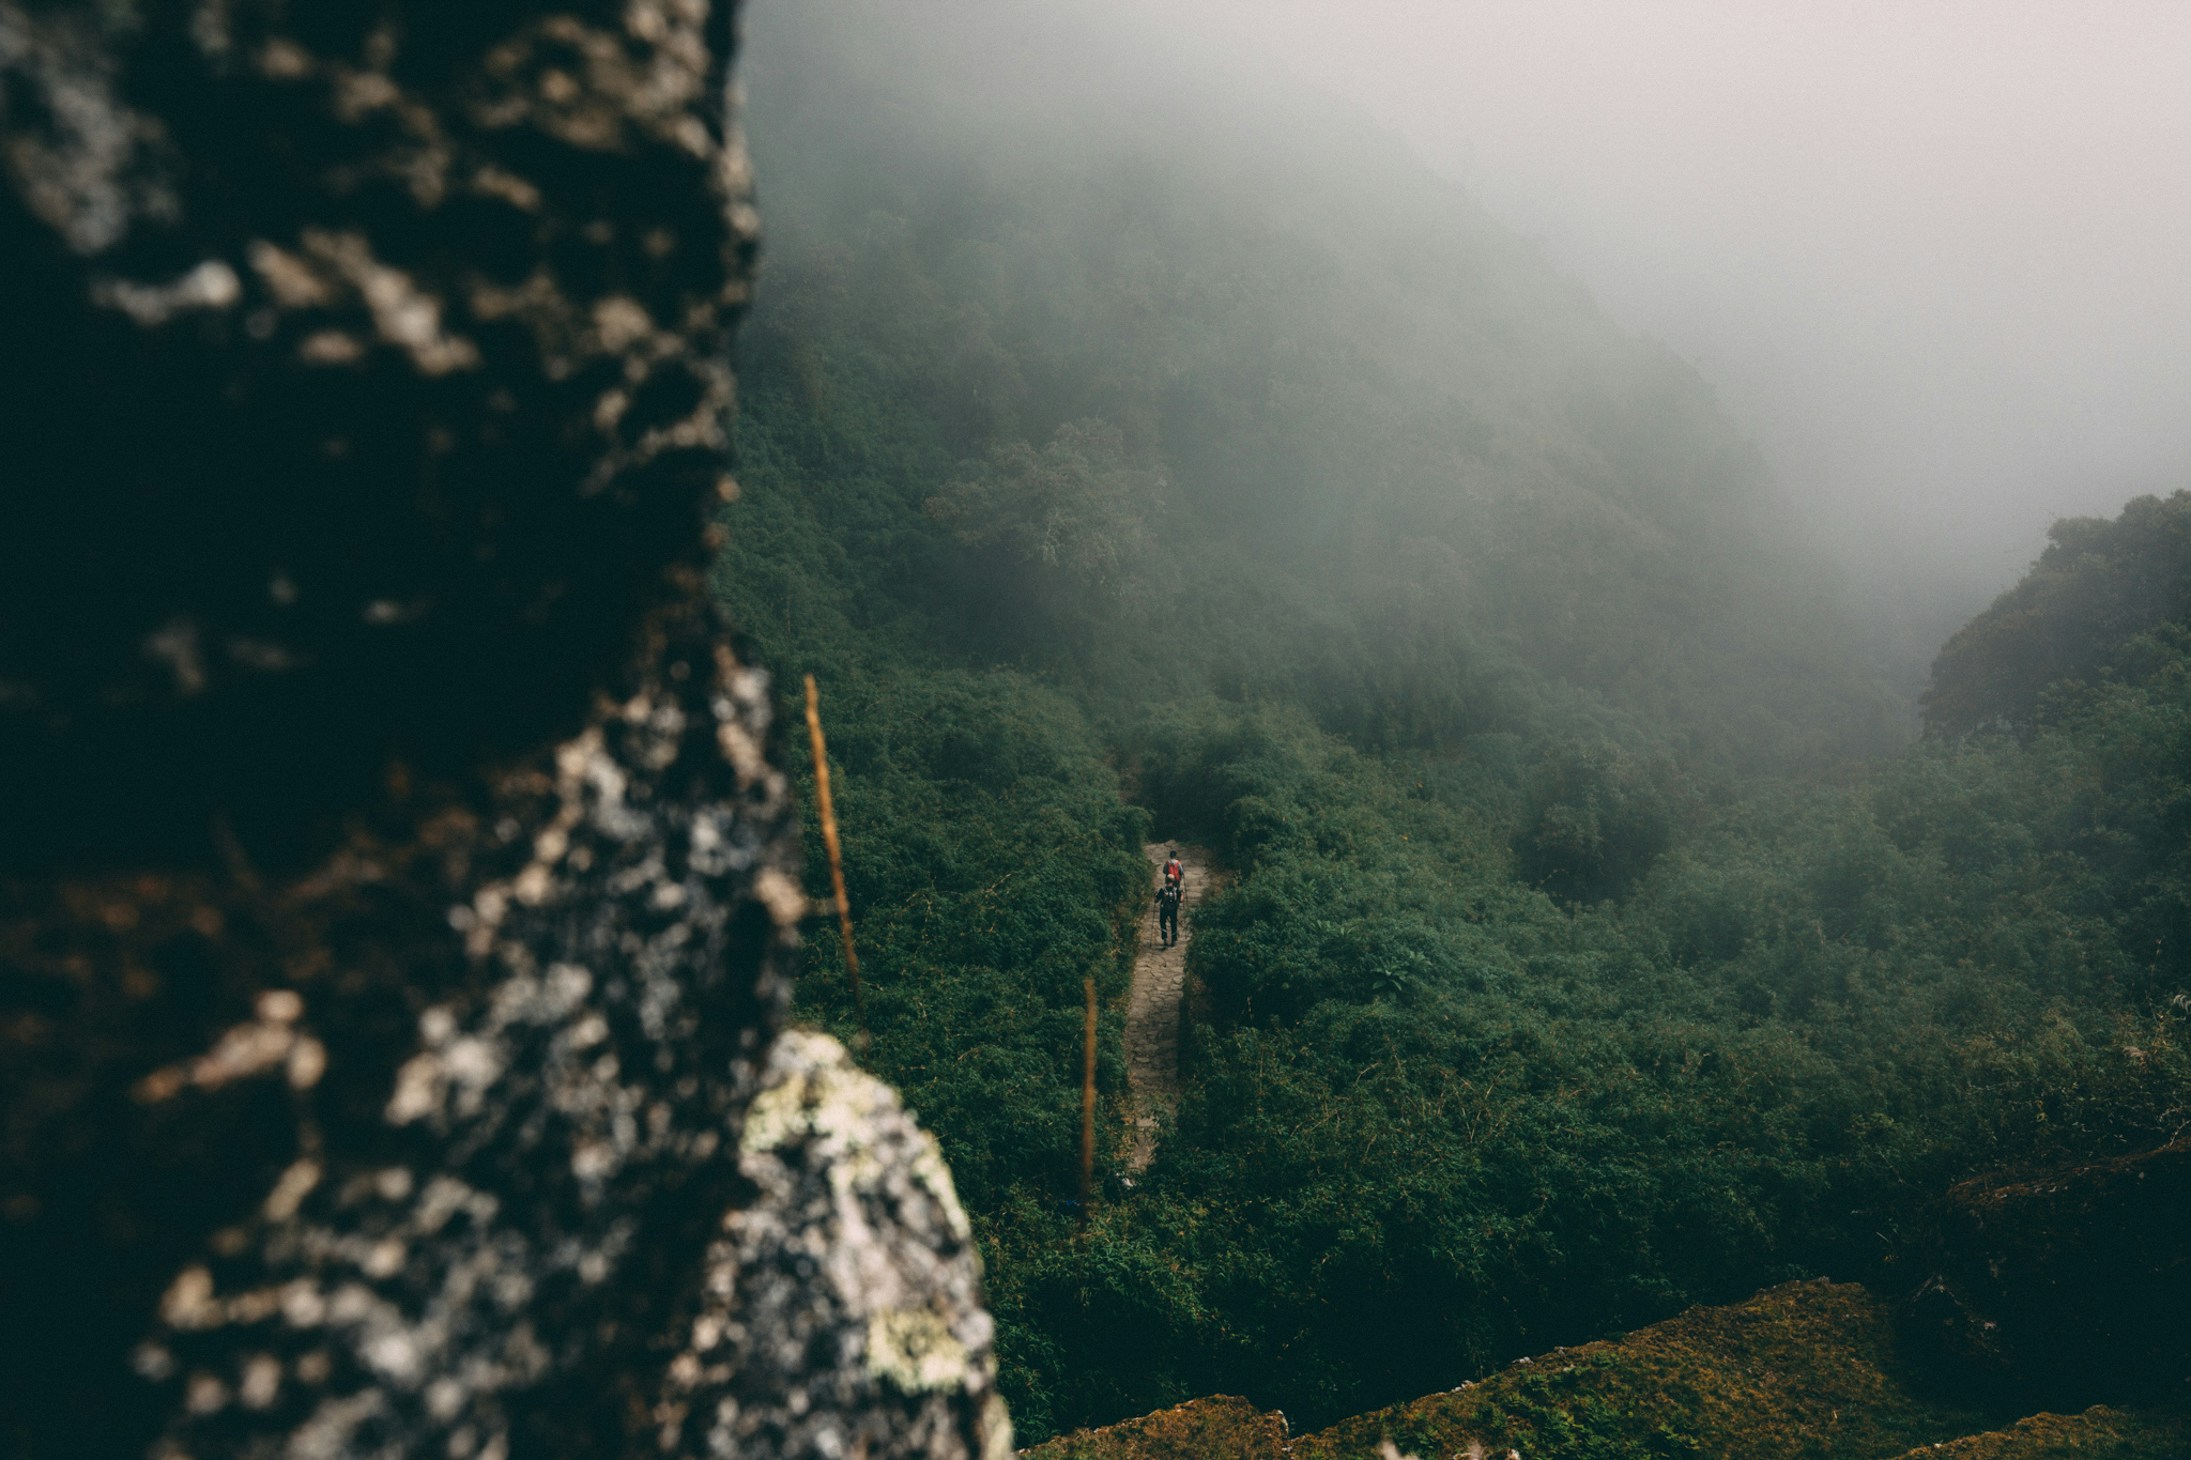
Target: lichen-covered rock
x,y
364,369
422,1150
488,1228
855,1253
395,881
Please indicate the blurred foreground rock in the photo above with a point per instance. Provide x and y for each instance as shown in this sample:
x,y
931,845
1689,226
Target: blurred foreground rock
x,y
395,879
844,1311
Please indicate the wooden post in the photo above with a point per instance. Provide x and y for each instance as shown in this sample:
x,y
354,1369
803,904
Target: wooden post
x,y
1087,1108
836,855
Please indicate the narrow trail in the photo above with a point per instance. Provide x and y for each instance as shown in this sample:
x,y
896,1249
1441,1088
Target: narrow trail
x,y
1152,1009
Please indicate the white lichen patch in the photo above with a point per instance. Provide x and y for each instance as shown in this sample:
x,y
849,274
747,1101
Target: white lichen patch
x,y
245,1051
782,896
87,171
289,1192
914,1349
404,314
291,281
856,1245
212,285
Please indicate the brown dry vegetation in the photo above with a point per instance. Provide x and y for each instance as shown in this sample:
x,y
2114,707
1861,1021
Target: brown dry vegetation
x,y
1808,1369
2100,1433
1223,1425
1799,1370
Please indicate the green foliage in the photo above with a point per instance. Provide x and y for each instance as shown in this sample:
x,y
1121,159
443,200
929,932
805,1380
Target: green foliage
x,y
1595,821
987,856
2097,585
1433,1102
1576,967
1056,535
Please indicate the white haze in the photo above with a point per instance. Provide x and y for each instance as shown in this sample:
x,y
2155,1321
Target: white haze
x,y
1935,258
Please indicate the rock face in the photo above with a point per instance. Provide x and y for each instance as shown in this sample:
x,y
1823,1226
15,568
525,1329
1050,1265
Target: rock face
x,y
395,882
365,370
2069,1286
856,1252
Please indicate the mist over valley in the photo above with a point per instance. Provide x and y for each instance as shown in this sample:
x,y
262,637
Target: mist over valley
x,y
1616,910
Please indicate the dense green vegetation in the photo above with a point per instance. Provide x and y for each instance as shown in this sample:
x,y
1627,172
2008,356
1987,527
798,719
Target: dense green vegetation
x,y
2097,586
1598,944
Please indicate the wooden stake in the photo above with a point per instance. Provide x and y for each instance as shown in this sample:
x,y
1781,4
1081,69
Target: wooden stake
x,y
836,854
1087,1109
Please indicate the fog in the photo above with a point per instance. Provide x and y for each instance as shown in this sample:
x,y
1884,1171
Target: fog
x,y
1933,258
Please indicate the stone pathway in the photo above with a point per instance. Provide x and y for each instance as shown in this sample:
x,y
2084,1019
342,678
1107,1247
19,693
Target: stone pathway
x,y
1152,1009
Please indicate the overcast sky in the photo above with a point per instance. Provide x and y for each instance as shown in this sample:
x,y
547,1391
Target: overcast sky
x,y
1936,257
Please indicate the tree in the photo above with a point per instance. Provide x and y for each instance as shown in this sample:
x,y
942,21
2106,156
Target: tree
x,y
2097,585
1055,536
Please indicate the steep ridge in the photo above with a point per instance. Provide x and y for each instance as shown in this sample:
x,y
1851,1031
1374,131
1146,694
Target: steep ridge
x,y
1801,1370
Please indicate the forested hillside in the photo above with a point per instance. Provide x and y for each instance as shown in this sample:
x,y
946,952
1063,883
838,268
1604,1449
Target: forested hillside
x,y
1598,944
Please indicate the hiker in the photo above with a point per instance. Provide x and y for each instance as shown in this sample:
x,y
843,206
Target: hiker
x,y
1175,875
1167,913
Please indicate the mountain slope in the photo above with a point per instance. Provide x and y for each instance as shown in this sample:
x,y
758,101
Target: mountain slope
x,y
1374,421
1131,457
